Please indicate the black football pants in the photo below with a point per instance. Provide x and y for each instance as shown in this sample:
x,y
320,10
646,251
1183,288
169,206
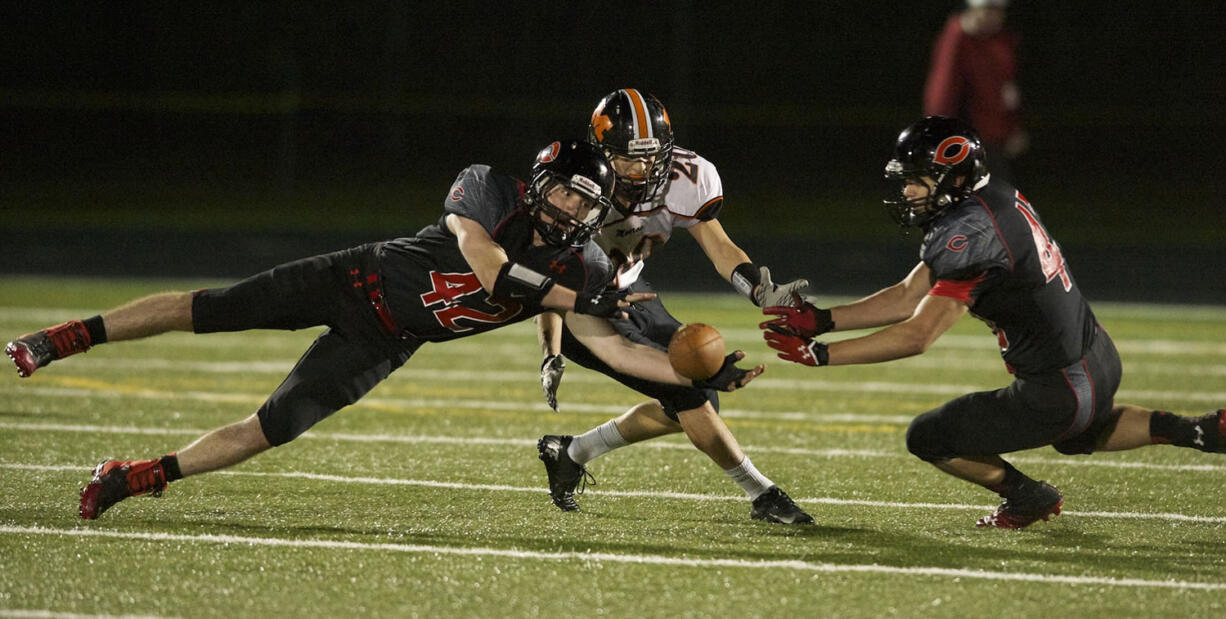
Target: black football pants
x,y
344,363
1068,409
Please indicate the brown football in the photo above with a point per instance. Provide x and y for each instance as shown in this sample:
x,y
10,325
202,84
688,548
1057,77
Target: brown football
x,y
696,351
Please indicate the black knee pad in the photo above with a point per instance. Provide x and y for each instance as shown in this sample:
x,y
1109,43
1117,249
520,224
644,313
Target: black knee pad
x,y
924,438
674,401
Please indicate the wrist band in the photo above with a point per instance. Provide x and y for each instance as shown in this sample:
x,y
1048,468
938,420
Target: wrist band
x,y
746,277
821,353
518,281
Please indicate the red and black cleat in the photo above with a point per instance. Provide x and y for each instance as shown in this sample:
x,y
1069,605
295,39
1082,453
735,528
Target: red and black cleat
x,y
116,480
1041,503
36,350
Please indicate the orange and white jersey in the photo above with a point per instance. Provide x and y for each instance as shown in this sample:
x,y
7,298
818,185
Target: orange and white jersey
x,y
693,193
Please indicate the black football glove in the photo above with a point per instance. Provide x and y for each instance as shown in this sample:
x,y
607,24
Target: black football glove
x,y
551,378
728,377
605,304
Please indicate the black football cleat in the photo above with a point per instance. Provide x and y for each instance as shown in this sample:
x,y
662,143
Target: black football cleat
x,y
564,473
1040,503
775,505
115,481
35,350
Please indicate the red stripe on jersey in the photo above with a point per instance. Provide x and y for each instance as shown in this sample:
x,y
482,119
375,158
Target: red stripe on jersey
x,y
957,289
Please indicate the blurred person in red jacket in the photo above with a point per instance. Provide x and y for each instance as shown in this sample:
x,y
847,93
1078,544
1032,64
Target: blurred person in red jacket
x,y
973,76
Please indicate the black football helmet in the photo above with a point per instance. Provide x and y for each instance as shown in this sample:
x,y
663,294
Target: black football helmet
x,y
947,151
631,124
582,168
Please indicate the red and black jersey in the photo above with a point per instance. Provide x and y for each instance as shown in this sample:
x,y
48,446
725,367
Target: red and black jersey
x,y
992,252
431,290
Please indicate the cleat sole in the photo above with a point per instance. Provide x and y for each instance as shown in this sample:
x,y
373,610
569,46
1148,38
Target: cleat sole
x,y
22,364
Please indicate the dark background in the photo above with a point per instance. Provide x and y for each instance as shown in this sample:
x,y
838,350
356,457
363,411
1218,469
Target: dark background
x,y
219,138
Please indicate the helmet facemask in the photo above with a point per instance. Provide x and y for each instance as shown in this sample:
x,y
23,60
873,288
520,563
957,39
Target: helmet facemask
x,y
555,225
638,183
920,210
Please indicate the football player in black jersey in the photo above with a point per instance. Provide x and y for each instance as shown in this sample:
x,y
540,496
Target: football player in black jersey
x,y
986,251
502,252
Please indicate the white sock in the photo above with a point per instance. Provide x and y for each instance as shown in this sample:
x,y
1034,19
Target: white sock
x,y
746,476
596,442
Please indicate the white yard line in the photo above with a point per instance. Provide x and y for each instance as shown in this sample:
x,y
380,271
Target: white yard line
x,y
640,559
948,390
960,363
980,341
682,496
51,614
673,444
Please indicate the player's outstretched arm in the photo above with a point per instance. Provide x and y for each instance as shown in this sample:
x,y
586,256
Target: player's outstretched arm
x,y
734,265
620,353
648,363
887,306
501,277
934,316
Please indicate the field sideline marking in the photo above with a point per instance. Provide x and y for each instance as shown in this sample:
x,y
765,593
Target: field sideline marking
x,y
795,565
661,444
683,496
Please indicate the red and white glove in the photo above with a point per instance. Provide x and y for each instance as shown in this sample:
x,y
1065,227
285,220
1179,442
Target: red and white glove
x,y
806,320
800,350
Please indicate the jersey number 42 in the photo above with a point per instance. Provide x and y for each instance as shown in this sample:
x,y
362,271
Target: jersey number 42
x,y
453,290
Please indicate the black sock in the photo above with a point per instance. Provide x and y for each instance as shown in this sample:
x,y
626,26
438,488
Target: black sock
x,y
97,331
170,465
1180,431
1014,481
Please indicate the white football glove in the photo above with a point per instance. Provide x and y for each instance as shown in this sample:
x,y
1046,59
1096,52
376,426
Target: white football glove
x,y
770,294
551,378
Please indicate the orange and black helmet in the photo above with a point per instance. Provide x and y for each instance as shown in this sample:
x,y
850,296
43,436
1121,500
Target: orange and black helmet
x,y
632,124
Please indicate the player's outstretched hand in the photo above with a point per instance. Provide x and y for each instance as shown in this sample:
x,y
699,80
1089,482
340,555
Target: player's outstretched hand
x,y
804,321
609,303
729,377
770,294
802,350
551,378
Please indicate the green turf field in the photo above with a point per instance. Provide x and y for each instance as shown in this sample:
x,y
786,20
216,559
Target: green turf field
x,y
426,498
